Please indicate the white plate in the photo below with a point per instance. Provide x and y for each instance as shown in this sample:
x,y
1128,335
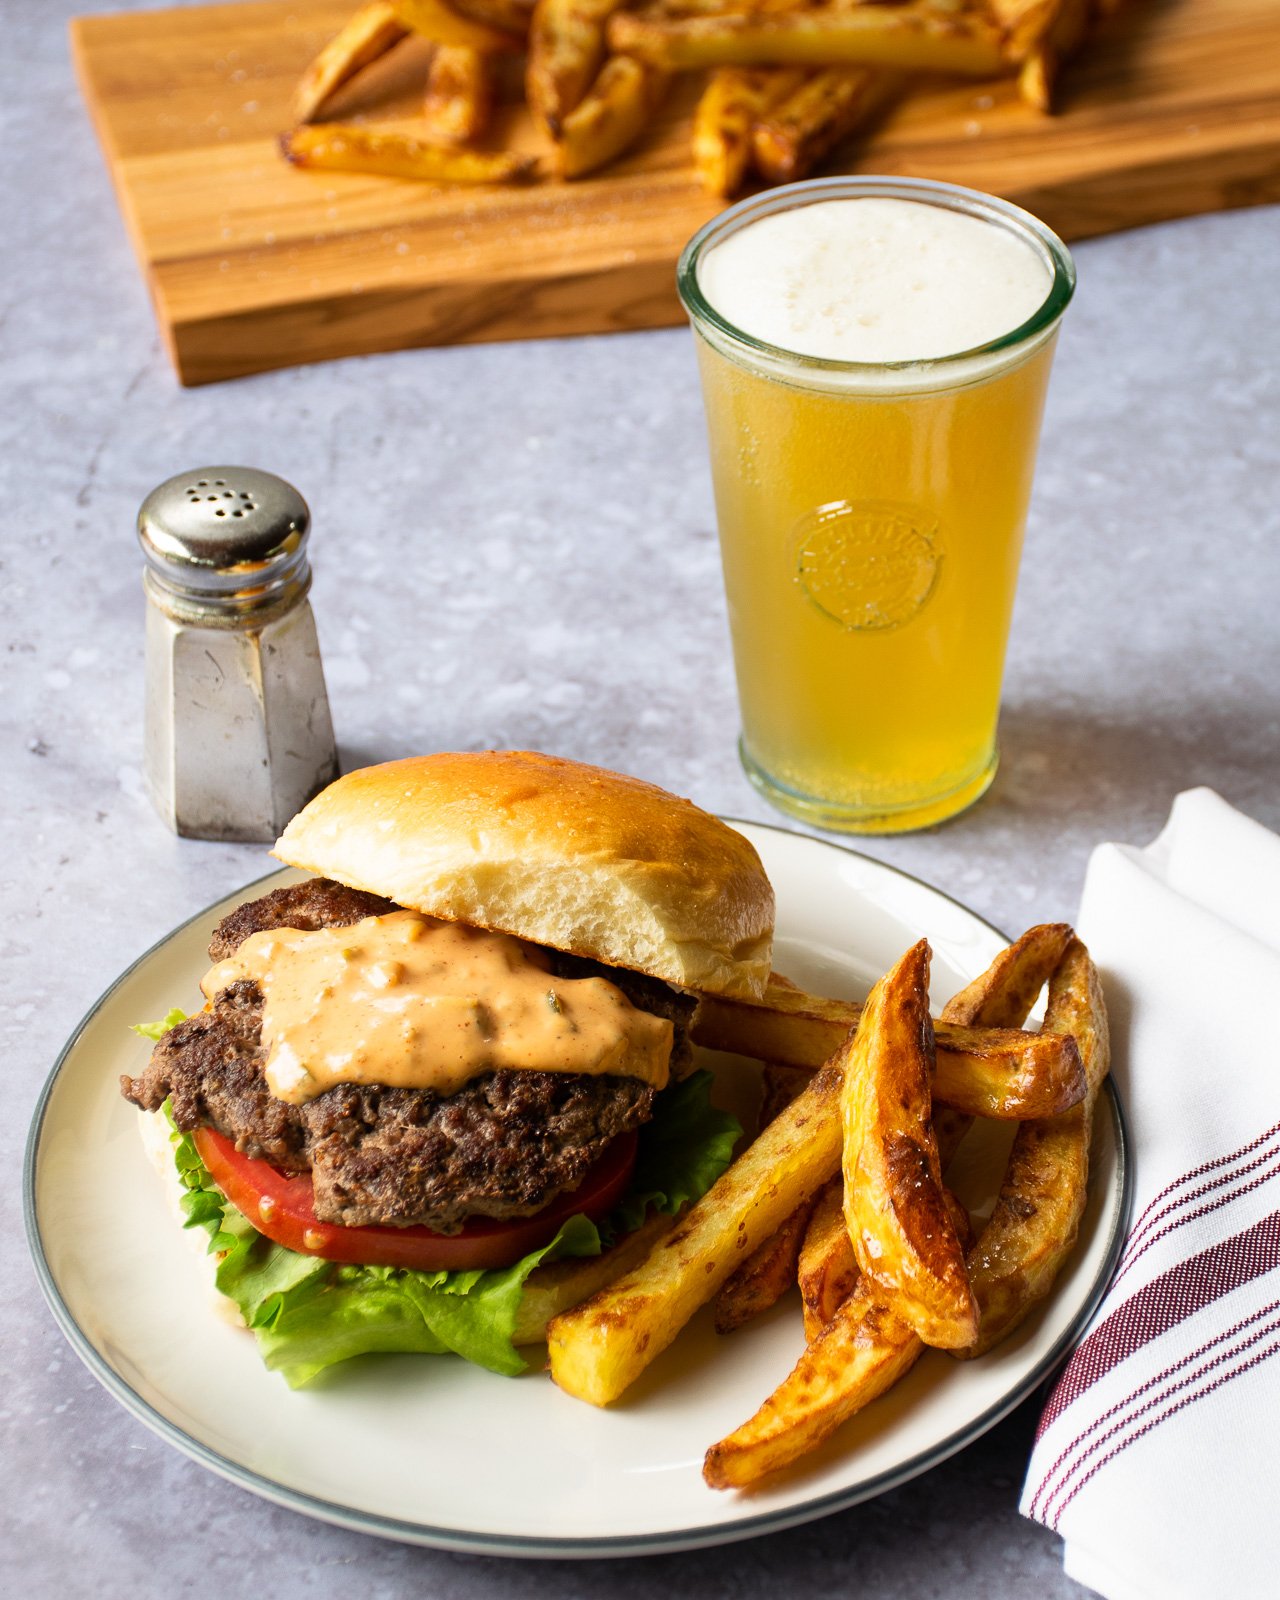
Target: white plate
x,y
430,1450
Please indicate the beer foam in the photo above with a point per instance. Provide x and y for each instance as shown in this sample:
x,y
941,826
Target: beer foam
x,y
874,280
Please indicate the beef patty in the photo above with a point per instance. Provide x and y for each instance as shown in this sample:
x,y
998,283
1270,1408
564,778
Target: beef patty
x,y
505,1145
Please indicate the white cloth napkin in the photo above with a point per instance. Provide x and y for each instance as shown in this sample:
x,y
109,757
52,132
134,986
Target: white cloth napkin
x,y
1158,1455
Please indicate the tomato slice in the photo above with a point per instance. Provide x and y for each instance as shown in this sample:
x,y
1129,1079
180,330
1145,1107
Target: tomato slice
x,y
279,1205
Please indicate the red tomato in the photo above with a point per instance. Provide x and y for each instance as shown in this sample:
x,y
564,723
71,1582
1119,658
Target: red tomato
x,y
278,1204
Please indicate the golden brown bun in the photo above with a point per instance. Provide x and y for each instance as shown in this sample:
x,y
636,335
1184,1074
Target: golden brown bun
x,y
565,855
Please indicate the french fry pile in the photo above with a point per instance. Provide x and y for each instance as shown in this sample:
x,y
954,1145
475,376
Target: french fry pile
x,y
789,79
844,1191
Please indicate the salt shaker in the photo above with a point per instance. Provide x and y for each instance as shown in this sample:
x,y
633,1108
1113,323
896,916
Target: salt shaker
x,y
238,732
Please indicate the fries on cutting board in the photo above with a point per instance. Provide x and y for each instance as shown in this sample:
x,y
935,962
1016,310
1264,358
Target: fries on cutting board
x,y
789,80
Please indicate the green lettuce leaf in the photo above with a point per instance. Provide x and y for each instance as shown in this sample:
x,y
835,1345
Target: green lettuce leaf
x,y
157,1030
683,1149
308,1314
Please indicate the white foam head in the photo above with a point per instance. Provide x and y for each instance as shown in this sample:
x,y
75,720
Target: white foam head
x,y
874,280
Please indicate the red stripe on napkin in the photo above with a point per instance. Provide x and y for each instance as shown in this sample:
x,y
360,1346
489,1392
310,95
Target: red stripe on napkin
x,y
1169,1411
1198,1172
1273,1171
1059,1474
1140,1236
1165,1301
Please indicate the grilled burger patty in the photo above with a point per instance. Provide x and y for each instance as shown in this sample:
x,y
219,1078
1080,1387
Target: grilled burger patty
x,y
503,1146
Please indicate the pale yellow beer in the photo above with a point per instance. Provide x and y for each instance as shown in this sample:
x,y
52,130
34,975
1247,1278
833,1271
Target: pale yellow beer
x,y
871,525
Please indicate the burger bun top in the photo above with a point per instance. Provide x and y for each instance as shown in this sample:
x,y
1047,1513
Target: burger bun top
x,y
562,854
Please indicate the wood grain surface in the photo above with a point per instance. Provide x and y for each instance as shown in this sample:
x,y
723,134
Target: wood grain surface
x,y
1175,109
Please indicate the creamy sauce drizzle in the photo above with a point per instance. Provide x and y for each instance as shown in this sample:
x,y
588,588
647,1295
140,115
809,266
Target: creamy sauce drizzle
x,y
410,1002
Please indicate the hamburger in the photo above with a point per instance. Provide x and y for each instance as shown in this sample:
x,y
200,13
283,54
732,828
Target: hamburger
x,y
443,1087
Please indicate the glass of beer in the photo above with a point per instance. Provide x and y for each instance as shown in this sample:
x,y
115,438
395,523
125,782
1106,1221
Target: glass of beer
x,y
874,356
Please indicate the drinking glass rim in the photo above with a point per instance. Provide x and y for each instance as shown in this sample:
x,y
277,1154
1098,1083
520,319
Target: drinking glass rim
x,y
952,196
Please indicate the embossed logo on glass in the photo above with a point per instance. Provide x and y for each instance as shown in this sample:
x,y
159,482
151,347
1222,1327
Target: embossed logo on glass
x,y
867,564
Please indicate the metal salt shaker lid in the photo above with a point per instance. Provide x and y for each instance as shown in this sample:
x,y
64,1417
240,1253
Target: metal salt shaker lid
x,y
239,735
223,541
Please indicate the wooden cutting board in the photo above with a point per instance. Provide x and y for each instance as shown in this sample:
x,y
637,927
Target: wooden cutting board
x,y
253,265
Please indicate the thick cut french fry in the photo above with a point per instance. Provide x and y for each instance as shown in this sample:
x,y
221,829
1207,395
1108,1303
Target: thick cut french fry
x,y
719,8
460,94
368,34
991,1072
1062,33
554,1288
1001,997
611,117
601,1347
862,1352
436,21
735,97
961,1221
341,147
765,1276
779,1084
806,1029
566,52
894,1203
793,137
911,37
826,1271
1021,22
770,1270
1027,24
507,16
1036,78
1033,1228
